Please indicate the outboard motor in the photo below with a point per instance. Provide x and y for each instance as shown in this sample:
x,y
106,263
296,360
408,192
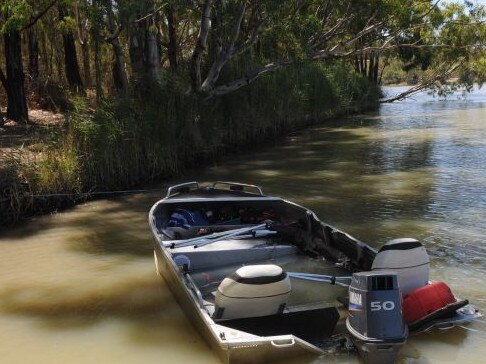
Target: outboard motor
x,y
252,291
408,258
375,319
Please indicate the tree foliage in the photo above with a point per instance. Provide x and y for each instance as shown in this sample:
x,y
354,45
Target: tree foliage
x,y
214,47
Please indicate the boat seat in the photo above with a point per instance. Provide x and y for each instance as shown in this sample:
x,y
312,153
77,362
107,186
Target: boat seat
x,y
231,252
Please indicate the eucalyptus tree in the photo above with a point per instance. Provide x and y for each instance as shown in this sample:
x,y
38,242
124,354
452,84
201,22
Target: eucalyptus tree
x,y
449,37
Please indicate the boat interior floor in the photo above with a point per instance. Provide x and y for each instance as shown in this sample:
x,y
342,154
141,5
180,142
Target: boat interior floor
x,y
310,313
312,324
303,293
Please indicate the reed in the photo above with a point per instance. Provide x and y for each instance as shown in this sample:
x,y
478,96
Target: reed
x,y
161,132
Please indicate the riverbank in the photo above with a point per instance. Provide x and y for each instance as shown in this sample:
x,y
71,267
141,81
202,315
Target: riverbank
x,y
126,143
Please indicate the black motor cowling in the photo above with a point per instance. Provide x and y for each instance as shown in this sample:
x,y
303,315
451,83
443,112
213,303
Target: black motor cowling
x,y
375,319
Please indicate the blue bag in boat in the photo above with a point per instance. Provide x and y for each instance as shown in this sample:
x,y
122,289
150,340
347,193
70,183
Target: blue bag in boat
x,y
186,219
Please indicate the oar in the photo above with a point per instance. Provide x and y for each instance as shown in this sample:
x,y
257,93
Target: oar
x,y
204,240
234,234
341,281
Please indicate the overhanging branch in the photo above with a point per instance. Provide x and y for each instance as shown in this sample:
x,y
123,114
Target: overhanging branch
x,y
34,19
248,78
426,83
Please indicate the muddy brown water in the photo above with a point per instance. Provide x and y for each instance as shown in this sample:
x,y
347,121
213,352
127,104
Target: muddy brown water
x,y
80,286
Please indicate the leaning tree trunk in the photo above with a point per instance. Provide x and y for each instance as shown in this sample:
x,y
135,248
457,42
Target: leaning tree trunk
x,y
17,103
71,64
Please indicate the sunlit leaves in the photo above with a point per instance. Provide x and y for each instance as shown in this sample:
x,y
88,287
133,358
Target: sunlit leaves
x,y
16,14
66,25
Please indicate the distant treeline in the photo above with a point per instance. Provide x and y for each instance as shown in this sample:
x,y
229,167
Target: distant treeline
x,y
151,87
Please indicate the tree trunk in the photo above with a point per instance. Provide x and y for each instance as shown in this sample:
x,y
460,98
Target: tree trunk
x,y
86,65
356,64
172,49
136,51
144,49
371,66
45,55
200,46
225,54
120,78
71,64
152,51
3,80
96,39
83,41
97,61
17,103
33,55
376,69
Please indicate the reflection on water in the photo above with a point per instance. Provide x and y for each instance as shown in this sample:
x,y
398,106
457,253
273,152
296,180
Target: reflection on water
x,y
80,286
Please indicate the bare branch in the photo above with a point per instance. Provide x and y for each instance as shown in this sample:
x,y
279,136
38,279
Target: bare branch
x,y
150,14
331,32
254,37
368,29
236,30
227,51
426,83
247,79
327,54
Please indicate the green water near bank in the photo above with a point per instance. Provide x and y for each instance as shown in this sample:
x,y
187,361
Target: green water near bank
x,y
80,286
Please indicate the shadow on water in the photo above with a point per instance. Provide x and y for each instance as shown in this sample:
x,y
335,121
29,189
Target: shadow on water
x,y
71,308
121,228
115,226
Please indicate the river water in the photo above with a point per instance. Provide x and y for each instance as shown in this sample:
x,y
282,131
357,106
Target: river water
x,y
80,286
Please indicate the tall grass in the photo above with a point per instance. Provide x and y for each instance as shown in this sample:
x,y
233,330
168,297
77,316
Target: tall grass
x,y
124,143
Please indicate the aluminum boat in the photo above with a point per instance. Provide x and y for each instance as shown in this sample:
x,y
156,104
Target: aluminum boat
x,y
263,279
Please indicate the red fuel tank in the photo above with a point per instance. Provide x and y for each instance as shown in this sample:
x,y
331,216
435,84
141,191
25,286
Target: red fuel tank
x,y
425,300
